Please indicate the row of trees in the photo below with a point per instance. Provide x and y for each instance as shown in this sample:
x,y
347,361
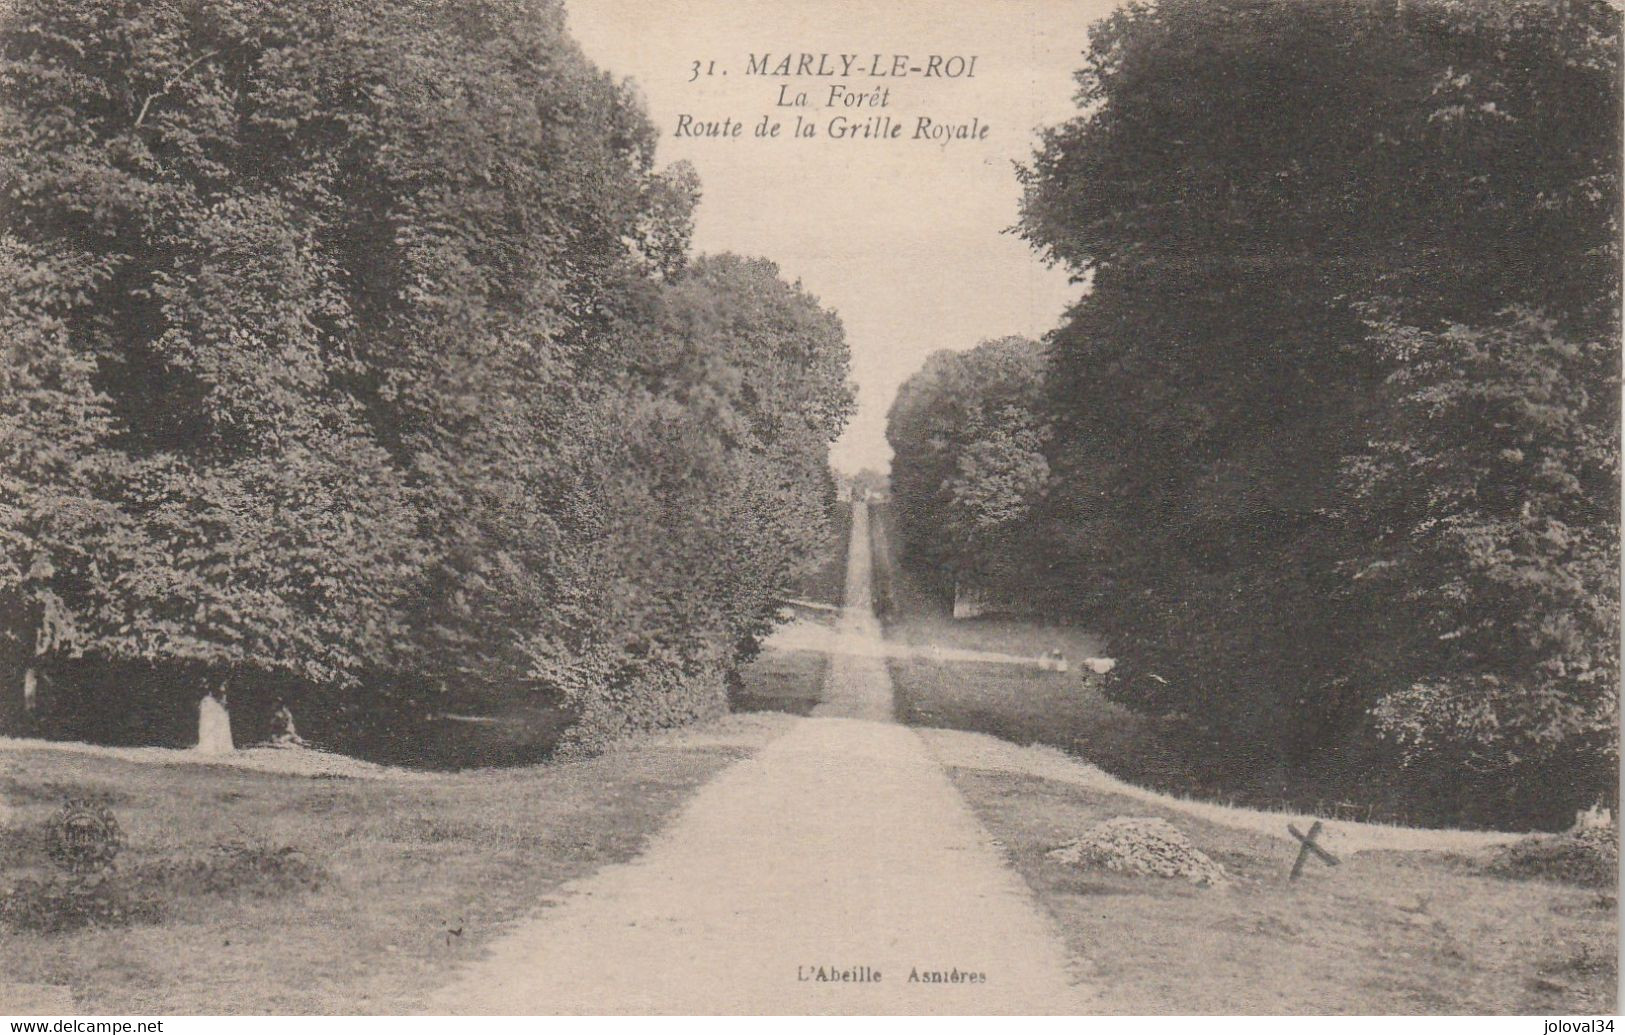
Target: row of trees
x,y
354,353
1334,450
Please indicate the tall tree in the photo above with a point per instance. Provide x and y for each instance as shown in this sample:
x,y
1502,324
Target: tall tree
x,y
967,438
1308,228
319,276
697,491
357,353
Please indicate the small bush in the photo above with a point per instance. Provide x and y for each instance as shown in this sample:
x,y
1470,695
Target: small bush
x,y
61,905
1589,858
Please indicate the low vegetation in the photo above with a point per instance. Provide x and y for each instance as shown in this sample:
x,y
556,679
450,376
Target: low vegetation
x,y
1588,857
1381,933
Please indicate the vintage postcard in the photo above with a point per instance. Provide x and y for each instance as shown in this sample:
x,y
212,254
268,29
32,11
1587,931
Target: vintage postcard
x,y
809,507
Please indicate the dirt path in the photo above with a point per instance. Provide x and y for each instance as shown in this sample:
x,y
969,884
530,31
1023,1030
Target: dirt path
x,y
841,850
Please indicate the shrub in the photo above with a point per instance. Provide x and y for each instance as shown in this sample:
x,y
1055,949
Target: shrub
x,y
1587,857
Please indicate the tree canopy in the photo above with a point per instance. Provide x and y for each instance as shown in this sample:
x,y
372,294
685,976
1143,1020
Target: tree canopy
x,y
968,462
1333,431
322,316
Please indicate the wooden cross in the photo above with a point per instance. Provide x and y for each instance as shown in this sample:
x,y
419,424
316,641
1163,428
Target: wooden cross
x,y
1307,845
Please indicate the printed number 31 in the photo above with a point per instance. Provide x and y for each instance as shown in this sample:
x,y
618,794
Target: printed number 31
x,y
710,68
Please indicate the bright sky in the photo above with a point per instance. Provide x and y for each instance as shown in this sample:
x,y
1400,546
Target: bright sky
x,y
904,238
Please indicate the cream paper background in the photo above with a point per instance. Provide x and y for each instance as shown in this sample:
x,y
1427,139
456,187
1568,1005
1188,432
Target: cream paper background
x,y
904,238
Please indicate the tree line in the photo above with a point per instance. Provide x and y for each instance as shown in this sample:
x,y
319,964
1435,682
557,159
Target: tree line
x,y
356,362
1329,446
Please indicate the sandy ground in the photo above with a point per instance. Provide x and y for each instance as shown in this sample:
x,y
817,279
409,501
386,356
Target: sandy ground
x,y
840,851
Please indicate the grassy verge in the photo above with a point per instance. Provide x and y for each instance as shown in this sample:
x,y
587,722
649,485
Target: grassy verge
x,y
1021,704
1028,706
789,681
1383,933
281,894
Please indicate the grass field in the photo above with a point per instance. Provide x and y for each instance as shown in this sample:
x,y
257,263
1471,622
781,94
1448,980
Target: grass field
x,y
1028,706
1383,933
284,894
790,681
1069,711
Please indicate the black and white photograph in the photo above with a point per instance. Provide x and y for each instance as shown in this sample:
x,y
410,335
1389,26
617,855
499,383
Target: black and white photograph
x,y
810,508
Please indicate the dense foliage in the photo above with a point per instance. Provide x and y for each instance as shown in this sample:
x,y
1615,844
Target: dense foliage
x,y
700,498
968,465
353,350
1335,428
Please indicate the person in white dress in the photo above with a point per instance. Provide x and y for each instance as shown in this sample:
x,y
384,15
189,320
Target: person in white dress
x,y
214,725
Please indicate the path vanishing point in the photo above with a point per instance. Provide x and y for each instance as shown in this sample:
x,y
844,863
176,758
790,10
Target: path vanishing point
x,y
841,846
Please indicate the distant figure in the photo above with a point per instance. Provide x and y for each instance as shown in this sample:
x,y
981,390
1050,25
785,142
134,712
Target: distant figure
x,y
283,735
1055,661
1101,666
214,726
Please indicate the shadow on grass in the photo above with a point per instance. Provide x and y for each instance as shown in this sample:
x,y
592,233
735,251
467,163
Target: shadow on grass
x,y
282,894
780,681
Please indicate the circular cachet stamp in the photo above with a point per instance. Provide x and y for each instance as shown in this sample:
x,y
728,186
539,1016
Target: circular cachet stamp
x,y
85,838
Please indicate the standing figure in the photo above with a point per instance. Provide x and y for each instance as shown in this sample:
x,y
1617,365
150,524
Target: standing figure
x,y
214,725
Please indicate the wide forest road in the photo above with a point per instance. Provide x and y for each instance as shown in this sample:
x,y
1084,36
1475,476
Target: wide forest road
x,y
818,876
